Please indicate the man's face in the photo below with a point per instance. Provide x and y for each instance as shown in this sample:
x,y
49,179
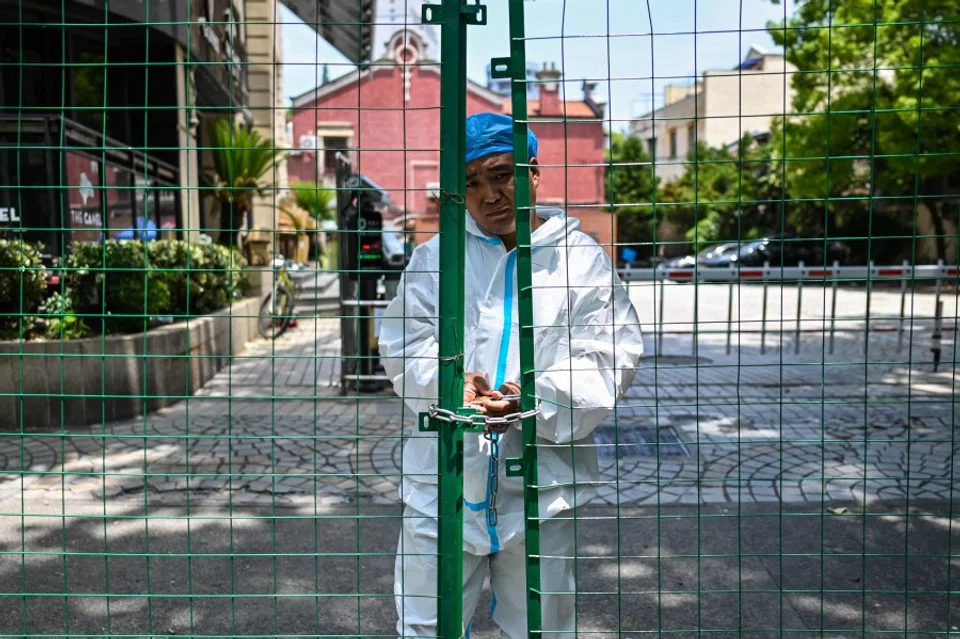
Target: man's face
x,y
490,192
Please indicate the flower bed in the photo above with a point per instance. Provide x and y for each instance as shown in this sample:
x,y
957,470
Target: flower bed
x,y
49,384
130,327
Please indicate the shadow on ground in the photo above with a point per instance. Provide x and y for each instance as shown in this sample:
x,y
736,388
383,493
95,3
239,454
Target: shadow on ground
x,y
752,571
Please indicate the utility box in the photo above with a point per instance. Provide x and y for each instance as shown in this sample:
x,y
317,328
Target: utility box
x,y
361,226
360,206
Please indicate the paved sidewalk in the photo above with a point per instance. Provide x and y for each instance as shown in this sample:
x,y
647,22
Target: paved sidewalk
x,y
745,427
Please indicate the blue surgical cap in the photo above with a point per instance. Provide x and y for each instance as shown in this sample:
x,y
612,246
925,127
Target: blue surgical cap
x,y
489,133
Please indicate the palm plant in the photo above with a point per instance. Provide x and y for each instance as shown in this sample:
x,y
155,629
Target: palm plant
x,y
242,159
314,199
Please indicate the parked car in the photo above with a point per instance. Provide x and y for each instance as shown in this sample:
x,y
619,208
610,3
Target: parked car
x,y
781,252
709,253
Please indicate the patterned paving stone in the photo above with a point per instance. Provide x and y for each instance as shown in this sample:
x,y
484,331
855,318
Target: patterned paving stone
x,y
759,427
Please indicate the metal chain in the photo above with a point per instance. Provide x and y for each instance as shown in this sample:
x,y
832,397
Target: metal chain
x,y
451,417
478,420
494,439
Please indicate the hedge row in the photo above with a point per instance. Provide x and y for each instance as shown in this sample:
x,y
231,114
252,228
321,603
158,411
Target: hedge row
x,y
115,287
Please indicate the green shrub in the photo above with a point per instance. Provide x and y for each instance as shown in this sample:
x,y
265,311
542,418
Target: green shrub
x,y
219,279
112,280
59,320
206,278
132,283
22,287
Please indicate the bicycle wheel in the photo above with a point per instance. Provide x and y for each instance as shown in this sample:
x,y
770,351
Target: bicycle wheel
x,y
274,318
289,313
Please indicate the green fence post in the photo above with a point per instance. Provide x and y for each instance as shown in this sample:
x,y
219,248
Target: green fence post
x,y
514,68
453,16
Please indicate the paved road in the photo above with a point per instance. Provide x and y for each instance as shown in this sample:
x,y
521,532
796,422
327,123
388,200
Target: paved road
x,y
710,305
749,571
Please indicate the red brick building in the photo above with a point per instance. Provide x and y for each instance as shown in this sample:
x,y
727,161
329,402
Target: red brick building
x,y
388,118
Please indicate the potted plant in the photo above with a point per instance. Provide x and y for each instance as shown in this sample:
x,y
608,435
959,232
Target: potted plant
x,y
318,202
243,160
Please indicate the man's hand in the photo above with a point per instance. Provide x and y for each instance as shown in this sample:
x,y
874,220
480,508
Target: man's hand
x,y
510,388
499,406
476,389
477,392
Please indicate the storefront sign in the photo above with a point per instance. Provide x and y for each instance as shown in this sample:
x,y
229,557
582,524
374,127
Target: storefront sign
x,y
87,219
8,215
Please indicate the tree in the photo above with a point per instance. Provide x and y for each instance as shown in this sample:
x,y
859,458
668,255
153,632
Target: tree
x,y
242,160
877,102
630,186
724,196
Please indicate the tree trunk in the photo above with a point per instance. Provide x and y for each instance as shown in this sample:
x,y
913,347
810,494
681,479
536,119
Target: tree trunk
x,y
231,219
936,216
940,193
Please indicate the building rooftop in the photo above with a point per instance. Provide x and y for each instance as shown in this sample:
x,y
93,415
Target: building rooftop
x,y
572,109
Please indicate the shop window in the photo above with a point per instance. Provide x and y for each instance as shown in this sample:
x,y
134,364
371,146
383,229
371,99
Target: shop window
x,y
88,82
30,71
27,212
167,213
145,208
119,188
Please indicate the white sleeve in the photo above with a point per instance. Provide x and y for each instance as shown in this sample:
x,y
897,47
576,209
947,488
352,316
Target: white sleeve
x,y
579,392
408,334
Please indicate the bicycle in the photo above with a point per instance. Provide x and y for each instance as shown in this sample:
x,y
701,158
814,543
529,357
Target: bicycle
x,y
277,309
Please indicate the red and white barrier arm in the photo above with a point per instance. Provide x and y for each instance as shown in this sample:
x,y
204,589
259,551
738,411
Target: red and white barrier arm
x,y
930,272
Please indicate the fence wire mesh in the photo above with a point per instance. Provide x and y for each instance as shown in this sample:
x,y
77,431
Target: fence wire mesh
x,y
724,276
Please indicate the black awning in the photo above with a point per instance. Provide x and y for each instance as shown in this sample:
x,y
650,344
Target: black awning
x,y
345,24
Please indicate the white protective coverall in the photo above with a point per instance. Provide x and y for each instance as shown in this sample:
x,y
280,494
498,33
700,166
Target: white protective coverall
x,y
587,347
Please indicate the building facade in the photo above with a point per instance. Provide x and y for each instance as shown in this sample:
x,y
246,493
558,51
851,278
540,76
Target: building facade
x,y
104,107
386,119
99,114
721,107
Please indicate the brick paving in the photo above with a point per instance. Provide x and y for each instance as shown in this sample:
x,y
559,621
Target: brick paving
x,y
787,426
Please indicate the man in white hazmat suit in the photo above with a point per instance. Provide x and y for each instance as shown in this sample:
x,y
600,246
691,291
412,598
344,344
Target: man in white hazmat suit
x,y
587,346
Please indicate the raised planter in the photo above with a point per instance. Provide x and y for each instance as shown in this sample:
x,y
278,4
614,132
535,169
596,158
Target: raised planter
x,y
88,381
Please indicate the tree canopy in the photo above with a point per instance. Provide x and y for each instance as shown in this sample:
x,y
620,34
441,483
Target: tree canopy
x,y
875,127
725,195
871,141
630,186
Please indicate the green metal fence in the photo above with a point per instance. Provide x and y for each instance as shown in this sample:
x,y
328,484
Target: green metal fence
x,y
731,390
